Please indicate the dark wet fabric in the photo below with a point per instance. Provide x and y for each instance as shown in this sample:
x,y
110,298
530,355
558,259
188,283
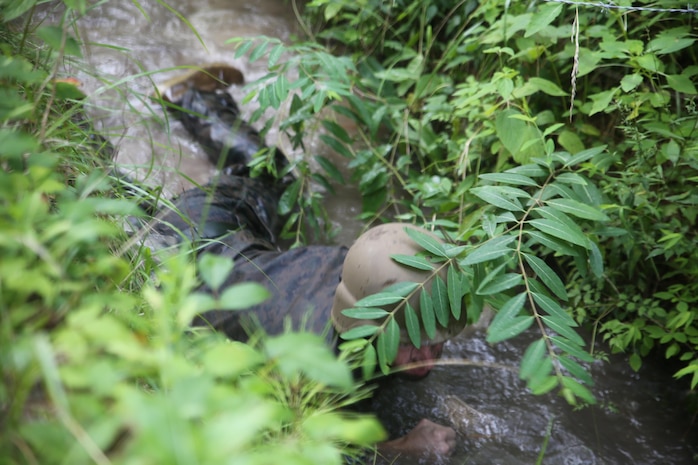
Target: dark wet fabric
x,y
213,118
236,217
240,213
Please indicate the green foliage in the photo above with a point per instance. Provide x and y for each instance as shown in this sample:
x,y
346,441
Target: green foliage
x,y
471,116
98,358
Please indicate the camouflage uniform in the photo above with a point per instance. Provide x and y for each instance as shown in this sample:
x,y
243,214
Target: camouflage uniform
x,y
239,213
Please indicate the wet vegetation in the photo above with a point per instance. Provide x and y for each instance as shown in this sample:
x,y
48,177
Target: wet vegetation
x,y
554,145
556,141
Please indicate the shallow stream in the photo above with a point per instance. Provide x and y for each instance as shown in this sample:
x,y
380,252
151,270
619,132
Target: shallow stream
x,y
641,418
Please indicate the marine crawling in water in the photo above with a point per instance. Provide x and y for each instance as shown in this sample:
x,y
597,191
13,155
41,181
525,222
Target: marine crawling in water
x,y
240,213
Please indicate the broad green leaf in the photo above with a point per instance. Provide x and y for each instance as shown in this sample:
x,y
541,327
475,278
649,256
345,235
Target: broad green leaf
x,y
547,87
412,324
552,308
560,230
562,328
426,309
670,41
500,284
521,138
455,292
242,296
630,81
365,313
578,209
650,62
509,178
681,83
439,297
546,14
572,349
530,170
546,275
214,270
426,241
532,358
360,332
413,261
492,249
601,101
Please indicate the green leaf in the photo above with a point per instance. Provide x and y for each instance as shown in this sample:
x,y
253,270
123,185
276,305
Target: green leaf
x,y
578,390
546,14
509,178
681,83
360,332
413,261
243,295
495,196
543,385
290,197
560,230
378,300
490,250
455,292
500,284
53,36
368,363
412,324
329,168
522,139
595,260
214,270
562,328
552,308
547,275
439,297
426,309
601,101
365,313
572,348
532,359
630,81
558,246
578,209
547,87
506,324
583,156
426,241
576,370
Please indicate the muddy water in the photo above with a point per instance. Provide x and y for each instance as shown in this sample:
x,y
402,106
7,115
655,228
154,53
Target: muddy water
x,y
640,418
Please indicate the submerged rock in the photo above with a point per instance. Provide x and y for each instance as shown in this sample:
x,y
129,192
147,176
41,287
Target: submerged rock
x,y
472,425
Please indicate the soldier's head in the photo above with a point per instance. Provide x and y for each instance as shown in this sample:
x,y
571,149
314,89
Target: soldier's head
x,y
369,269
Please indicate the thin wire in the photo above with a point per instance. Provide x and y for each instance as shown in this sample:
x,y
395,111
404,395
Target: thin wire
x,y
611,6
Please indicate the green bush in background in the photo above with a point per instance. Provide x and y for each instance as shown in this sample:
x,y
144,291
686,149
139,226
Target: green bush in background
x,y
567,128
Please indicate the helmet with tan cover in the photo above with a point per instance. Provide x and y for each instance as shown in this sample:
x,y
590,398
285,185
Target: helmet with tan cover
x,y
368,269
